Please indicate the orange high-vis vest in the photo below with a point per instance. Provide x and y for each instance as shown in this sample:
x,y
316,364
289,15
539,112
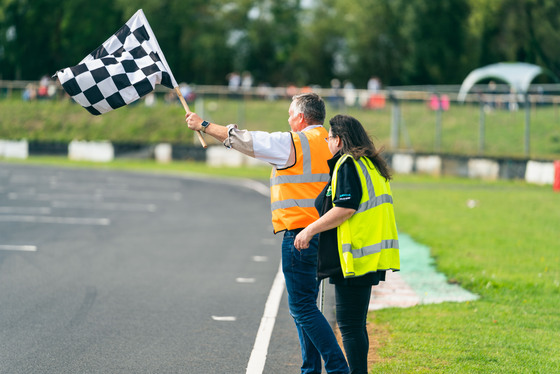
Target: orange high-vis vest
x,y
293,190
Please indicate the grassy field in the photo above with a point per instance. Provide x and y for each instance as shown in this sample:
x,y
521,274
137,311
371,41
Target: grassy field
x,y
505,250
504,135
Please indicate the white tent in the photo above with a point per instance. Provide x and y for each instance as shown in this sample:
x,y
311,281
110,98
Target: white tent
x,y
518,75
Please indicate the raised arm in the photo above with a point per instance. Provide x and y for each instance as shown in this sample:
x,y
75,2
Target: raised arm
x,y
216,131
275,148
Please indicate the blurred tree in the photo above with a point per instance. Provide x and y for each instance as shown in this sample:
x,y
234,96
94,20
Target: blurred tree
x,y
269,39
435,33
192,35
299,41
41,36
319,53
522,30
544,38
400,41
373,40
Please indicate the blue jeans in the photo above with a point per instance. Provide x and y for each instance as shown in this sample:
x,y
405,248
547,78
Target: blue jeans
x,y
316,337
352,303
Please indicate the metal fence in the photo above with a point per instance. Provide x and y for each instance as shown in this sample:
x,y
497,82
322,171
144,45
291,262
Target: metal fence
x,y
407,124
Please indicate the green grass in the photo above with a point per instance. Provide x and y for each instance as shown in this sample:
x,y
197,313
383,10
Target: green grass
x,y
64,121
504,136
505,250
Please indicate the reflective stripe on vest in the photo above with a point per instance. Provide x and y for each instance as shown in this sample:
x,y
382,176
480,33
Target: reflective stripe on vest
x,y
368,241
293,190
373,200
370,249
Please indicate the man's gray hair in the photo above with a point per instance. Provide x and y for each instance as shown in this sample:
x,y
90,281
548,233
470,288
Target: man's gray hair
x,y
312,107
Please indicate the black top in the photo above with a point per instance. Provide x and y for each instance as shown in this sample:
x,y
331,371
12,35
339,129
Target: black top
x,y
348,195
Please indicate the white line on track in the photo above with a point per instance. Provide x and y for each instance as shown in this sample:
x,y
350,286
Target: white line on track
x,y
260,258
55,183
25,248
128,207
25,210
245,280
174,196
259,187
97,195
86,186
33,179
58,220
153,182
260,348
224,318
47,197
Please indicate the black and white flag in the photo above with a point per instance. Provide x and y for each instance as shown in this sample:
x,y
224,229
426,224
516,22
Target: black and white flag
x,y
123,69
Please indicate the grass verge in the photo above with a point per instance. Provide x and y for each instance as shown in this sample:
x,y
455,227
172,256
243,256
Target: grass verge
x,y
506,250
504,131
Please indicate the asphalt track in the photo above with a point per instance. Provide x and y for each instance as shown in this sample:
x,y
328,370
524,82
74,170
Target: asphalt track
x,y
118,272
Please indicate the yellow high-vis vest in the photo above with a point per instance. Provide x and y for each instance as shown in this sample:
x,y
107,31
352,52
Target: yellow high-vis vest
x,y
368,241
293,190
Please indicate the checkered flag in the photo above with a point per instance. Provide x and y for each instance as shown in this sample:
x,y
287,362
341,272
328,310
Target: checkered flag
x,y
123,69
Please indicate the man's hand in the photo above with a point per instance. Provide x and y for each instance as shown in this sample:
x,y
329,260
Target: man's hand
x,y
193,121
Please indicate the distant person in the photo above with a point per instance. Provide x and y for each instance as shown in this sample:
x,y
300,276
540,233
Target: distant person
x,y
350,95
45,80
51,89
150,100
30,92
373,85
490,102
358,239
43,90
234,81
335,93
299,173
246,81
187,92
513,106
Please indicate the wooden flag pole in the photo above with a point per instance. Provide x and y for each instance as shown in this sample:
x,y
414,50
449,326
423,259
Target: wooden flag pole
x,y
185,105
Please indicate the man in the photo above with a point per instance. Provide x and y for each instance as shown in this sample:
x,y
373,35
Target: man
x,y
299,174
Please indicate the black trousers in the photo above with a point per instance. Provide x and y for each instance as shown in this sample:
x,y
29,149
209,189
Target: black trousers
x,y
352,304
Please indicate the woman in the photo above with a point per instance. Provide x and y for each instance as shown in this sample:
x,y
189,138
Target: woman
x,y
358,239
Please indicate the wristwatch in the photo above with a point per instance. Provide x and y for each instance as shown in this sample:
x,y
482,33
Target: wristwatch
x,y
204,125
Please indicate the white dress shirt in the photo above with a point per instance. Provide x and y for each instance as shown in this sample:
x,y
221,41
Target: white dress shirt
x,y
272,147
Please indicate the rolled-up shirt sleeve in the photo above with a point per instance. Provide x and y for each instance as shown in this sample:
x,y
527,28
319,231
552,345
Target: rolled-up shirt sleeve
x,y
274,148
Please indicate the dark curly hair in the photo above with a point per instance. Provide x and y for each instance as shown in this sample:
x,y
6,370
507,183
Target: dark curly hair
x,y
357,142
